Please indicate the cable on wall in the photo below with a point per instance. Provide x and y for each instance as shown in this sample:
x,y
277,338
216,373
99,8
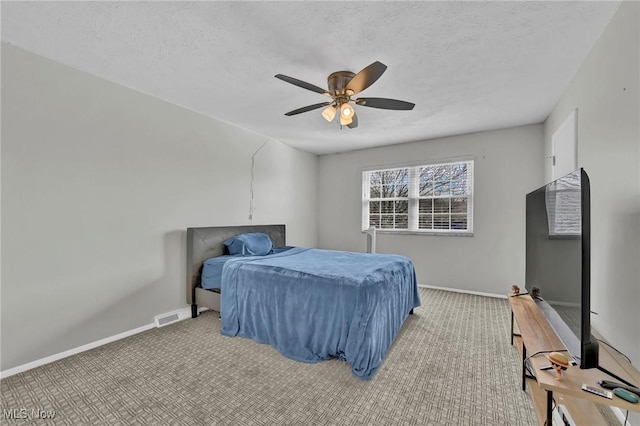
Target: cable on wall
x,y
253,162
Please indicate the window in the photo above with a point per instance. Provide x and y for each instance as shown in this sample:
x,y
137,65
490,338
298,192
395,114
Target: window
x,y
427,198
564,206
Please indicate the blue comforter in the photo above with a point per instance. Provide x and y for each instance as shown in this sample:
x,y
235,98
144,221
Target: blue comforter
x,y
314,304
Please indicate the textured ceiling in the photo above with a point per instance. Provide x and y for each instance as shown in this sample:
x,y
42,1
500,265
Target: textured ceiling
x,y
468,66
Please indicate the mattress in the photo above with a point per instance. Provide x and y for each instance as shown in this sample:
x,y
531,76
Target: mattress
x,y
211,277
212,272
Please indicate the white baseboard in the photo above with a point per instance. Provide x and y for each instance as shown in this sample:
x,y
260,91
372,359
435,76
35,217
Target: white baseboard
x,y
67,353
457,290
183,314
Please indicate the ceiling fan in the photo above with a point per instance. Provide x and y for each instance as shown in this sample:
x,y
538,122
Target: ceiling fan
x,y
342,86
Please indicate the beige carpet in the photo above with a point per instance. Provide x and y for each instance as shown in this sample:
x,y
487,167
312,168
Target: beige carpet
x,y
452,364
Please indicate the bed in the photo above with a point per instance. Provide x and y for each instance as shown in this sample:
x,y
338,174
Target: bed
x,y
310,304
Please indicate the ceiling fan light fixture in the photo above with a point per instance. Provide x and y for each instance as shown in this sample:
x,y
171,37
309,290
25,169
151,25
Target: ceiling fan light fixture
x,y
329,113
346,110
345,121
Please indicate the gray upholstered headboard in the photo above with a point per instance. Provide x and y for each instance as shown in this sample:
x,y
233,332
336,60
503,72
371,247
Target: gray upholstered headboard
x,y
204,243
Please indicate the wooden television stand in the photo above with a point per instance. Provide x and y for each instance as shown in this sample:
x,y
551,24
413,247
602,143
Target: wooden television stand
x,y
536,339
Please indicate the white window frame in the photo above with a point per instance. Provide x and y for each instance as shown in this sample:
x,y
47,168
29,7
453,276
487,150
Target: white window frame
x,y
414,197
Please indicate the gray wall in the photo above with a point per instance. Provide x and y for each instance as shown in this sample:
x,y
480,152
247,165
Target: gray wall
x,y
606,92
508,164
99,183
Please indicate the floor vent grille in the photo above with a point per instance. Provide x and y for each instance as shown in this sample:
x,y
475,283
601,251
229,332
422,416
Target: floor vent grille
x,y
166,319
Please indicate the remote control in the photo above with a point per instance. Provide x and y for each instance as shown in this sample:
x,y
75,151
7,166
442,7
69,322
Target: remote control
x,y
600,392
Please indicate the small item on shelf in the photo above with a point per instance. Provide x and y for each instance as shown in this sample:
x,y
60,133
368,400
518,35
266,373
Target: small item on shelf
x,y
535,293
597,391
626,395
559,362
608,384
515,289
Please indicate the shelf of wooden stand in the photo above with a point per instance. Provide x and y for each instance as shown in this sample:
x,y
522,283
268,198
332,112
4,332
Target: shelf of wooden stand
x,y
583,412
537,394
581,405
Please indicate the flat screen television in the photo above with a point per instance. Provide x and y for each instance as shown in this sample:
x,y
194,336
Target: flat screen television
x,y
558,247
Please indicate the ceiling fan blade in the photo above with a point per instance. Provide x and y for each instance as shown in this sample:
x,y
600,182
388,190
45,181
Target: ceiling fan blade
x,y
384,103
307,108
303,84
366,77
354,123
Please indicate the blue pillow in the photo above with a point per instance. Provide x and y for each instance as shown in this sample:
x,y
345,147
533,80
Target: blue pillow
x,y
251,244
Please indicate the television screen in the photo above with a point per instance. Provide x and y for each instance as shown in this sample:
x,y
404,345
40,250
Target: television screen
x,y
557,260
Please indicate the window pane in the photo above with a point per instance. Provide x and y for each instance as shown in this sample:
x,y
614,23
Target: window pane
x,y
374,191
375,178
386,206
402,221
374,206
426,173
441,221
459,188
459,172
401,183
426,188
442,180
459,179
426,181
386,221
441,187
441,172
402,206
425,206
459,221
441,205
402,190
458,205
387,191
387,176
425,221
374,220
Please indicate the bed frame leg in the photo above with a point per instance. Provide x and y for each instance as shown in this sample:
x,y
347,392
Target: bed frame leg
x,y
411,312
194,311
